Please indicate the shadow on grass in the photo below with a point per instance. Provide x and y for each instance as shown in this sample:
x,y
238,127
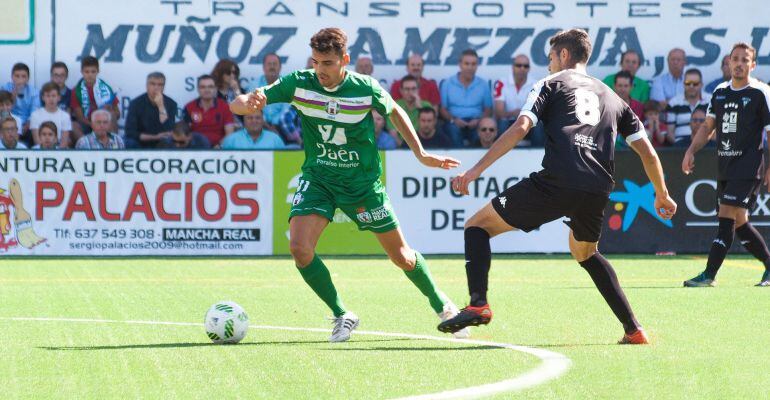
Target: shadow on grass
x,y
424,348
624,287
183,345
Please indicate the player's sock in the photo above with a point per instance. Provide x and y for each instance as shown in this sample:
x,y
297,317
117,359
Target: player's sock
x,y
754,244
720,246
421,278
318,278
606,281
478,257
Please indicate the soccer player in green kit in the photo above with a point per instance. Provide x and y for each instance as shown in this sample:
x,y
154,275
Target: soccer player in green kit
x,y
342,169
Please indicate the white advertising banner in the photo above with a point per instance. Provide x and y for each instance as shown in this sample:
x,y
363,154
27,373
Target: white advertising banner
x,y
432,215
83,203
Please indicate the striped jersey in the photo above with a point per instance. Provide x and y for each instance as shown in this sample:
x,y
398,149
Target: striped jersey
x,y
337,125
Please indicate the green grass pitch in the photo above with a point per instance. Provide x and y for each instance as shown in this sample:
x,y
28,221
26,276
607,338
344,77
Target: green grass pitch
x,y
707,343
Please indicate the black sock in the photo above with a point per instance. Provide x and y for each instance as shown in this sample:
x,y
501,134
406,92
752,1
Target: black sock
x,y
478,257
720,246
606,281
754,244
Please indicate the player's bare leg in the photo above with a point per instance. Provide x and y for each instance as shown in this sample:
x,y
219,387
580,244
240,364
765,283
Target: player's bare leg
x,y
416,269
482,226
728,216
604,277
304,232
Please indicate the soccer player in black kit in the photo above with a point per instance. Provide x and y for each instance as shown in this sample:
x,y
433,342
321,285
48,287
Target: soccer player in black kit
x,y
582,117
740,112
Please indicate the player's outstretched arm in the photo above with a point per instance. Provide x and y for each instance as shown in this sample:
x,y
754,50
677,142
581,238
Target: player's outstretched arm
x,y
702,136
403,124
664,204
248,103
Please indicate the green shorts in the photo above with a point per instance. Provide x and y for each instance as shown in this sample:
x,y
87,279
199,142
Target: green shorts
x,y
371,210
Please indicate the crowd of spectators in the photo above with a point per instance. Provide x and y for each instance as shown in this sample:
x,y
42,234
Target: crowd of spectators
x,y
463,110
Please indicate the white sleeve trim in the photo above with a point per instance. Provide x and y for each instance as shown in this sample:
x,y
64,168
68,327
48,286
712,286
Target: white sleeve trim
x,y
529,114
636,136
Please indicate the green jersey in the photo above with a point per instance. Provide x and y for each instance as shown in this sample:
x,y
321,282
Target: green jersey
x,y
337,125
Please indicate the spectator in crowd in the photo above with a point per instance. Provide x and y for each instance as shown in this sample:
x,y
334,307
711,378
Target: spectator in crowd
x,y
91,93
657,131
100,137
25,95
511,96
622,86
208,114
385,139
151,115
253,136
428,88
6,108
487,132
47,136
9,134
59,75
726,75
630,61
279,117
182,137
52,113
430,137
227,76
364,66
680,108
465,99
411,102
697,118
670,84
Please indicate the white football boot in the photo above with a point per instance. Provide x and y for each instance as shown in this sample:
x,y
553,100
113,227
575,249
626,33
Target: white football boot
x,y
343,325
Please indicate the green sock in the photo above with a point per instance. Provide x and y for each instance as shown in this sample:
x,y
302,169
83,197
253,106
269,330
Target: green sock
x,y
317,277
421,278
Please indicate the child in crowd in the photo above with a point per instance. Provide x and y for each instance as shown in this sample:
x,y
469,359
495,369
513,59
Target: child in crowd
x,y
51,112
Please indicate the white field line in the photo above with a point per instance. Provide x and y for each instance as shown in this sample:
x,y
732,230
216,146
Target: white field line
x,y
553,364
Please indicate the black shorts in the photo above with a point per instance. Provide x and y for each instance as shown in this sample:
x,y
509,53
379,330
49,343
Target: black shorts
x,y
738,192
532,202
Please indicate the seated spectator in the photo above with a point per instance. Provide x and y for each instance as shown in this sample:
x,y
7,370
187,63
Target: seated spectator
x,y
384,139
47,136
25,95
91,94
411,102
430,137
680,108
487,132
51,112
696,120
726,75
100,137
670,84
208,114
182,137
657,131
364,66
630,62
6,108
59,75
150,116
227,76
253,136
511,94
465,99
622,86
428,88
279,117
9,134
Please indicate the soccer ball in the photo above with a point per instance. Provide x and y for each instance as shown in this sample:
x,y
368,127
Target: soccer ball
x,y
226,322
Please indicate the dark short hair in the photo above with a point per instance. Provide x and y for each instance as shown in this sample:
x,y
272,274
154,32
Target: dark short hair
x,y
407,78
271,55
631,51
156,75
747,47
50,125
651,105
59,64
6,97
204,77
626,75
89,61
469,52
182,128
427,110
695,71
8,118
577,43
49,87
330,40
20,67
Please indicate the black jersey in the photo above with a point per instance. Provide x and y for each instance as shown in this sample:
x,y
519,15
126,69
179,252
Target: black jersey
x,y
741,116
582,117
